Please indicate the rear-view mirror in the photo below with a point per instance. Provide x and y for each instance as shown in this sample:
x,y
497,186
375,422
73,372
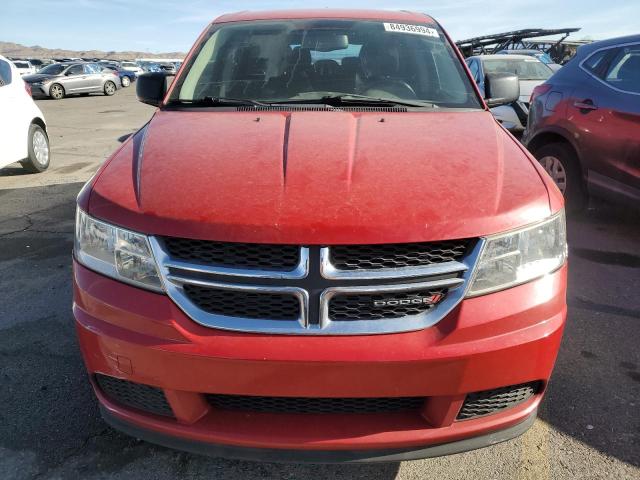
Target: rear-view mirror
x,y
151,87
321,41
501,89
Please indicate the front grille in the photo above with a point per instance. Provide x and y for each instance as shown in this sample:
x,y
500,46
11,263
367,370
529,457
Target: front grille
x,y
234,255
243,304
314,405
315,290
397,305
399,255
135,395
486,402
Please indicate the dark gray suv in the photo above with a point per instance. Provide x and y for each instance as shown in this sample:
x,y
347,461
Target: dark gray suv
x,y
61,79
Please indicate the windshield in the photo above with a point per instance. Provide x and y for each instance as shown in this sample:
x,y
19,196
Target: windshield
x,y
55,69
525,69
544,58
21,64
299,60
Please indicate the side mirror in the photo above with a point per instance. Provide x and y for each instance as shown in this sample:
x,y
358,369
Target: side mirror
x,y
151,87
501,89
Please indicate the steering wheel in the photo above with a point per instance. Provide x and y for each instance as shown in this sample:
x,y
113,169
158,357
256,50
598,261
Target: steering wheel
x,y
383,87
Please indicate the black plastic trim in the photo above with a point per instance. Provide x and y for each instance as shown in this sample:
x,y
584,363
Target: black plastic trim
x,y
318,456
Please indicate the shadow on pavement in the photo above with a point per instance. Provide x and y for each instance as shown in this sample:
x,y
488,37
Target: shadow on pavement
x,y
14,170
595,389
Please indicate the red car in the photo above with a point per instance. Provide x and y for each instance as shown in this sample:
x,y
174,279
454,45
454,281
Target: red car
x,y
321,248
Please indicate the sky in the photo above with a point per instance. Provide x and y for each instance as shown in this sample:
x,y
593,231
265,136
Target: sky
x,y
173,25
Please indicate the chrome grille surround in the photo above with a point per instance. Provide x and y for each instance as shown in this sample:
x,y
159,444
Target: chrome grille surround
x,y
314,282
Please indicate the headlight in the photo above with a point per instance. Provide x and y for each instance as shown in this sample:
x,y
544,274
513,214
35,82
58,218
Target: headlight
x,y
520,256
115,252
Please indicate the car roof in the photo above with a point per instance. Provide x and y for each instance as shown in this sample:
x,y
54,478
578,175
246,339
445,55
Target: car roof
x,y
504,56
519,51
592,47
332,13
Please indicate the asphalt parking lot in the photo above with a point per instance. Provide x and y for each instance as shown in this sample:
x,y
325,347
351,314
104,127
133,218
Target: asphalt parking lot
x,y
588,426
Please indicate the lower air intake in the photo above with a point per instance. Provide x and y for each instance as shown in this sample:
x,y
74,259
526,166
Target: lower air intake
x,y
478,404
314,405
136,395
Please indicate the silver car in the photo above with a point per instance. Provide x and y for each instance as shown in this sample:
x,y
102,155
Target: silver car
x,y
530,71
79,78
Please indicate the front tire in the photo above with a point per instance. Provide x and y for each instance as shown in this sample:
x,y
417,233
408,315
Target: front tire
x,y
56,91
109,88
126,81
561,163
39,153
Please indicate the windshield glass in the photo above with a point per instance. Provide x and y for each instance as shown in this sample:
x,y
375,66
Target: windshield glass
x,y
544,58
55,69
525,69
297,60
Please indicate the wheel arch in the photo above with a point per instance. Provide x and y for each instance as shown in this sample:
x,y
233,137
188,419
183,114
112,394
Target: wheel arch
x,y
40,122
547,137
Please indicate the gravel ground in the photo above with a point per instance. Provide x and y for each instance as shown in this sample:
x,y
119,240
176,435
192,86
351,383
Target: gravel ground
x,y
589,423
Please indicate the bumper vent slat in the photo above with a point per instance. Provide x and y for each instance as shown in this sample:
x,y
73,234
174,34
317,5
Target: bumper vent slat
x,y
303,405
478,404
401,255
235,303
136,395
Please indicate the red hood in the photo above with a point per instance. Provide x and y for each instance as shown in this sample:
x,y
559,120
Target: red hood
x,y
320,178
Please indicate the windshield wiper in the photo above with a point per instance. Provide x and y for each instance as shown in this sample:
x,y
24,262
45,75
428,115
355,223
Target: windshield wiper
x,y
216,102
338,100
348,99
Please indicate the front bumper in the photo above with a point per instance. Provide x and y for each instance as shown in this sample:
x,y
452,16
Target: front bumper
x,y
505,338
38,90
319,456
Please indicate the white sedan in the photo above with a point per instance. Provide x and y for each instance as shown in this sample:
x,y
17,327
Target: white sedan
x,y
24,67
23,131
131,67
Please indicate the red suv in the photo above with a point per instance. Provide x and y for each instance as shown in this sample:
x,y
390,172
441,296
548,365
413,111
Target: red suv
x,y
322,247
